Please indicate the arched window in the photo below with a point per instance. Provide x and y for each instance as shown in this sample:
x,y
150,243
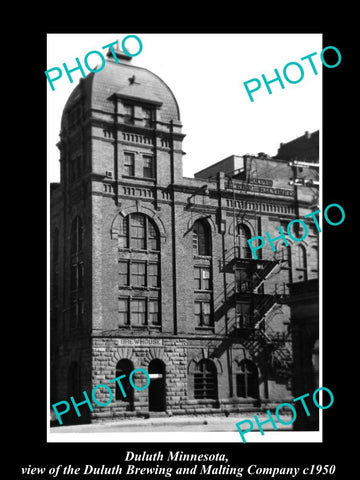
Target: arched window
x,y
201,238
244,235
301,262
300,256
124,367
139,270
138,231
205,380
247,384
314,261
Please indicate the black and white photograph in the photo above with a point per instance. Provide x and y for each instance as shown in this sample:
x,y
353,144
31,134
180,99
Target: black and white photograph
x,y
196,207
185,285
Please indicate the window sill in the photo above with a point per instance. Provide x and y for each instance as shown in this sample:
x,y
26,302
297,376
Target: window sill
x,y
139,288
137,250
136,177
140,327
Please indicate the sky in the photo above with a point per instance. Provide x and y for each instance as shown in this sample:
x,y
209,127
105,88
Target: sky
x,y
206,73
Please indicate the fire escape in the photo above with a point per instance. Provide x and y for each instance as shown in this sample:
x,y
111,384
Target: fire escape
x,y
253,327
245,296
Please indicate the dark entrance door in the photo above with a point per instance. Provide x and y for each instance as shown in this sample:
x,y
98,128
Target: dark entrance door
x,y
157,387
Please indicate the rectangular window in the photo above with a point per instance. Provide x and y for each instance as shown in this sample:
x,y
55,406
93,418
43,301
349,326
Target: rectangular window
x,y
197,313
206,313
243,283
148,166
153,275
138,231
129,164
138,274
195,241
123,233
138,312
202,311
124,311
149,116
243,318
197,278
202,278
154,312
129,113
123,273
205,278
152,237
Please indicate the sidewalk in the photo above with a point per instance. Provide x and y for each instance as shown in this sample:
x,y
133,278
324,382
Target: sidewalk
x,y
180,422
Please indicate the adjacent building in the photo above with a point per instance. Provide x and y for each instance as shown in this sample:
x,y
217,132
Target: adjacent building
x,y
151,269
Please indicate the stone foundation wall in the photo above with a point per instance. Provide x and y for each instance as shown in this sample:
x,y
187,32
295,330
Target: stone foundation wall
x,y
178,357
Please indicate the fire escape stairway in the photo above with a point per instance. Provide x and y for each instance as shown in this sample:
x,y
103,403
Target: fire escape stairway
x,y
276,346
261,270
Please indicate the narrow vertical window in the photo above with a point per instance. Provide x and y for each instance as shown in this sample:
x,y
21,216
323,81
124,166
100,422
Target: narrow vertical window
x,y
77,234
197,278
244,235
314,258
124,232
129,164
301,262
247,383
76,273
124,311
124,273
197,313
148,166
154,312
138,274
153,275
149,116
129,113
201,238
138,239
152,237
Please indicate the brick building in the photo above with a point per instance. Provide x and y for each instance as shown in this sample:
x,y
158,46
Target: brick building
x,y
150,269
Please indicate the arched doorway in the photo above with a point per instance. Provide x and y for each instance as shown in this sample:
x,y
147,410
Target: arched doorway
x,y
125,367
157,387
